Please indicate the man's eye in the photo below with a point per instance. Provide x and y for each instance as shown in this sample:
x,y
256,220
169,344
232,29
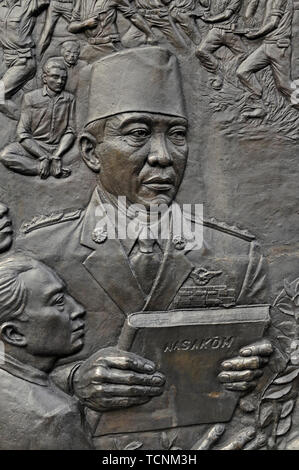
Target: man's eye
x,y
59,300
178,136
139,133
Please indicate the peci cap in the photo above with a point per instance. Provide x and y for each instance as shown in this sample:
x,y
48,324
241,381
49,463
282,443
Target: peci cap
x,y
145,79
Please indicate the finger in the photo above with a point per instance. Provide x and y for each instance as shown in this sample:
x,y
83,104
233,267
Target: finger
x,y
116,376
131,362
240,386
242,363
243,437
126,391
122,402
210,438
241,376
262,348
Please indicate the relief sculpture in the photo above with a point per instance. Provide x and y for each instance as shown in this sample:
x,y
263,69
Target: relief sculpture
x,y
134,319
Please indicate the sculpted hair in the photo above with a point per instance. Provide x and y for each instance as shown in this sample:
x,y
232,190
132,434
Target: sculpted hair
x,y
13,292
56,62
71,42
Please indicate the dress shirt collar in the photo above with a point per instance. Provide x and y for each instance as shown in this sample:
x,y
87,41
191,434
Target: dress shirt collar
x,y
56,97
23,371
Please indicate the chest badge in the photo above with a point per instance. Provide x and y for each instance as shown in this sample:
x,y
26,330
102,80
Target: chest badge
x,y
201,276
99,235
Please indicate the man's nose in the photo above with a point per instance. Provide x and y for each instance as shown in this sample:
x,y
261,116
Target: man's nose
x,y
159,154
77,310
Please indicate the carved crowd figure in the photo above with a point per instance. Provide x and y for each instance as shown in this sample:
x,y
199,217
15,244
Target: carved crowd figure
x,y
275,52
17,22
98,21
57,9
47,127
39,323
157,15
181,13
222,16
138,146
70,51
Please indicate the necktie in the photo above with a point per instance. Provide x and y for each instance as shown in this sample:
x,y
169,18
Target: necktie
x,y
145,261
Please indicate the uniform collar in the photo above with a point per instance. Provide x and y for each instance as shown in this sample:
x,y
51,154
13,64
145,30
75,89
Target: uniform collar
x,y
23,371
96,216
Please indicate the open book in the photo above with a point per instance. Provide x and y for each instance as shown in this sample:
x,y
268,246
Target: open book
x,y
188,346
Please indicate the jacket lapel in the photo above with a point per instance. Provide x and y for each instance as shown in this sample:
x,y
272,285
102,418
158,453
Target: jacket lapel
x,y
109,265
174,270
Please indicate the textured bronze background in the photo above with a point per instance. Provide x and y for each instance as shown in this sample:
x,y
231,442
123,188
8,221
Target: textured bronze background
x,y
242,167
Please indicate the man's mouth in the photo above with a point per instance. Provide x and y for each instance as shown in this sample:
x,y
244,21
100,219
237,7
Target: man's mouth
x,y
7,228
79,331
159,183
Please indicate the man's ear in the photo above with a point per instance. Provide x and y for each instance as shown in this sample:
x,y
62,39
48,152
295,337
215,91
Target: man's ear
x,y
88,144
10,333
44,78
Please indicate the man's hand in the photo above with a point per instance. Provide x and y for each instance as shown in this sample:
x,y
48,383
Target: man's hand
x,y
112,379
5,229
91,23
44,168
240,373
56,167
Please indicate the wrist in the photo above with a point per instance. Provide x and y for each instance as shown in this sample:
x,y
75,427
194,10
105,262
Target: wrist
x,y
71,377
44,157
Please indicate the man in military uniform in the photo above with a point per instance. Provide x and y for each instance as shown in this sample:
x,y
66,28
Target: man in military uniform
x,y
17,21
138,145
274,52
57,9
181,13
157,15
98,21
222,17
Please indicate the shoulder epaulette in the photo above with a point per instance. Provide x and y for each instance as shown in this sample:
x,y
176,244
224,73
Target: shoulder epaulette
x,y
230,229
41,221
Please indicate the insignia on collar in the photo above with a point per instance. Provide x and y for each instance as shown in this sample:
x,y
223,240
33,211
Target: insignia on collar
x,y
42,221
99,235
179,242
202,276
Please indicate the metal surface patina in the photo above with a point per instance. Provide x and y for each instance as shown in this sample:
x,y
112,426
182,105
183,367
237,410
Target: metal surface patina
x,y
149,287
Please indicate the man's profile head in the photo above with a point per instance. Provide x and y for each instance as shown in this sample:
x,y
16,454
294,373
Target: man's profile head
x,y
55,75
136,136
38,318
70,51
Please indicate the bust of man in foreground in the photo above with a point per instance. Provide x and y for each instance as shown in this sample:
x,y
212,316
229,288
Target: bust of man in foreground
x,y
136,140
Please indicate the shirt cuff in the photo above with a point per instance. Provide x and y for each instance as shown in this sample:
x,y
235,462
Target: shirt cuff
x,y
70,384
23,136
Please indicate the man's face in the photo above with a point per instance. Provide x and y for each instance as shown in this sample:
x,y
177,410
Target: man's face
x,y
55,327
55,79
71,54
143,157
